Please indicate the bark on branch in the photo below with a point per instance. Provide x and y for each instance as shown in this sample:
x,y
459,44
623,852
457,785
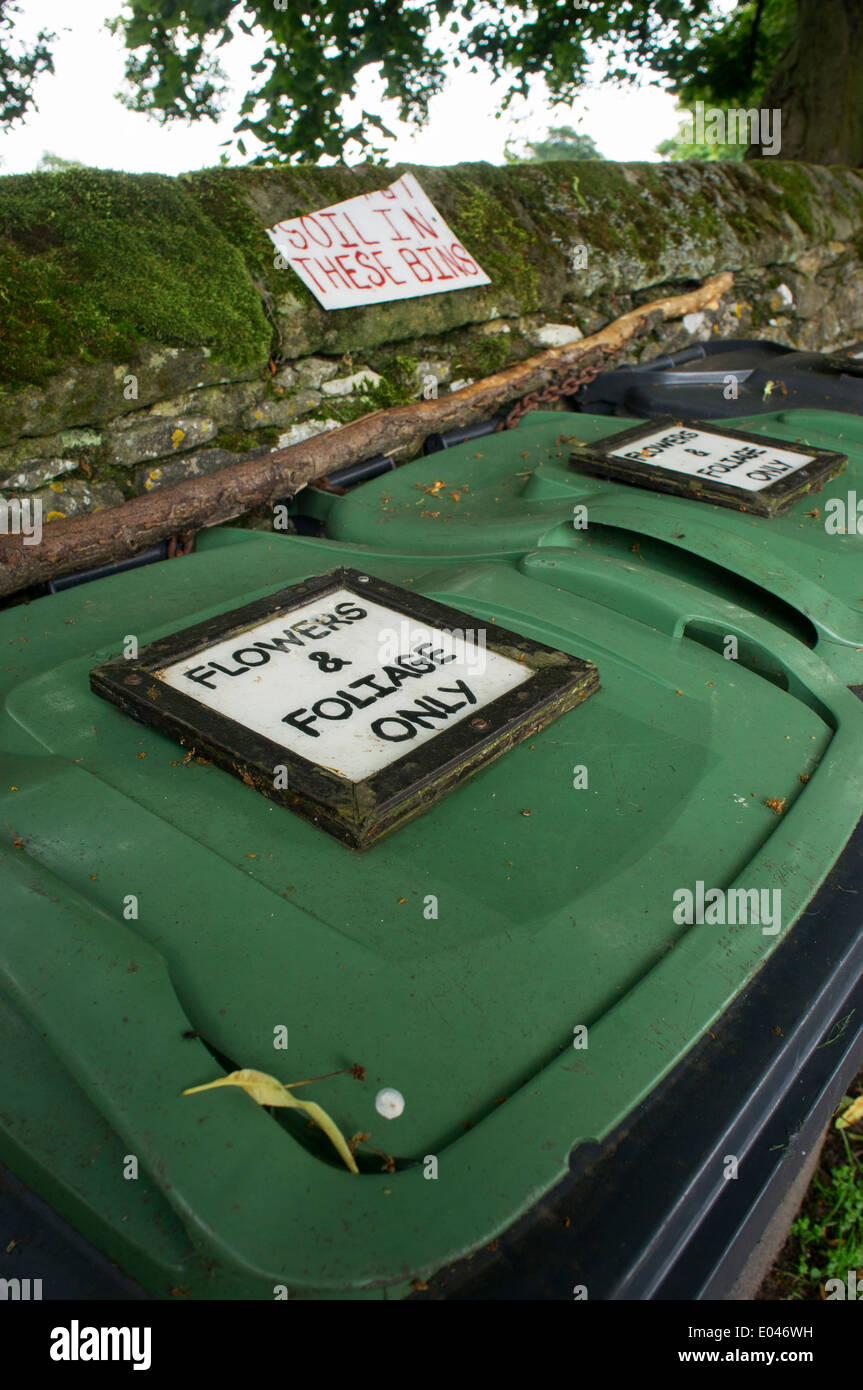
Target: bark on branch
x,y
120,532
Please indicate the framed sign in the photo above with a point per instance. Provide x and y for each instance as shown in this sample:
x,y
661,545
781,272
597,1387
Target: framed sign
x,y
347,699
750,472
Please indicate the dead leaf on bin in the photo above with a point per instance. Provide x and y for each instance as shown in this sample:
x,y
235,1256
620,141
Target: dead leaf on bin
x,y
851,1115
267,1090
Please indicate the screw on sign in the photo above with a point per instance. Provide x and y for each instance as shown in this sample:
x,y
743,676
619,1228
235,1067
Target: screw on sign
x,y
389,1103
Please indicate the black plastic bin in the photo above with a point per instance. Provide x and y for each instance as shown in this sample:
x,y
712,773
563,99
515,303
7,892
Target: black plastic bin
x,y
728,377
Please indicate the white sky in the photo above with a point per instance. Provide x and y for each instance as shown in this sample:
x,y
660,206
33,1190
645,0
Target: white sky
x,y
78,116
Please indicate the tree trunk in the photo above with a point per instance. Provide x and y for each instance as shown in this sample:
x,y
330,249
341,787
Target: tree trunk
x,y
818,85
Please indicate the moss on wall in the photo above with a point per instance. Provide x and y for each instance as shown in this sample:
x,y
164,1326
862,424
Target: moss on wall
x,y
502,242
93,262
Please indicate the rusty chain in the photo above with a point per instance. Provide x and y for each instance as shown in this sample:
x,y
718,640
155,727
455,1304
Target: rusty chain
x,y
546,395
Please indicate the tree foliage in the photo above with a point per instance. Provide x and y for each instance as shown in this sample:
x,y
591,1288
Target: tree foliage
x,y
313,52
20,65
55,163
803,55
733,58
561,142
681,147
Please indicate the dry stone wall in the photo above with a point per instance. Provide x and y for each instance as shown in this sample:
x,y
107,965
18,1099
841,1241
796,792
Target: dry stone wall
x,y
147,334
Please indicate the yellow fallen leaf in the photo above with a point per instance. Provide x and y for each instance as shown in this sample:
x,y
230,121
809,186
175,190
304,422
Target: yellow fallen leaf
x,y
266,1090
851,1115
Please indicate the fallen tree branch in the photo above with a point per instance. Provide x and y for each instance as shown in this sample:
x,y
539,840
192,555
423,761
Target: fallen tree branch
x,y
122,531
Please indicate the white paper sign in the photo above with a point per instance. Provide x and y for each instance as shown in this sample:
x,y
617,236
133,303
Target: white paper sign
x,y
709,454
391,244
345,682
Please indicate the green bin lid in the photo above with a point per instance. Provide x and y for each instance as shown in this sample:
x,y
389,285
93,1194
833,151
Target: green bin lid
x,y
508,493
163,921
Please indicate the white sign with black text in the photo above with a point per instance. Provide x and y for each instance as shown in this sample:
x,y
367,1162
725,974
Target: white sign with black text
x,y
345,682
710,454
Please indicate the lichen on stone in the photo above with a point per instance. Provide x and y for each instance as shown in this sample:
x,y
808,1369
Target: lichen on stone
x,y
149,334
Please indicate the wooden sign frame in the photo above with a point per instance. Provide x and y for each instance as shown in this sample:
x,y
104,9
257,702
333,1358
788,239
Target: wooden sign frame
x,y
771,500
358,813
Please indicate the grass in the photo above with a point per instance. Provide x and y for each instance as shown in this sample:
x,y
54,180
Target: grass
x,y
826,1240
